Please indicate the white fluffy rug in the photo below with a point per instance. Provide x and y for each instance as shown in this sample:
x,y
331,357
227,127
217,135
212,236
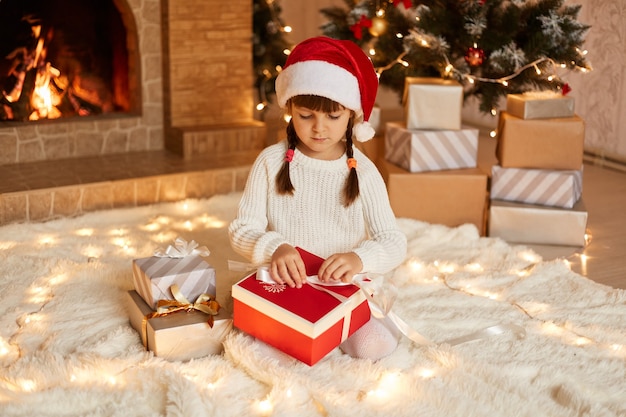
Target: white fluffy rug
x,y
66,348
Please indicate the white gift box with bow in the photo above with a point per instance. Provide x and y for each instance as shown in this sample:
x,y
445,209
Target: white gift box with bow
x,y
180,264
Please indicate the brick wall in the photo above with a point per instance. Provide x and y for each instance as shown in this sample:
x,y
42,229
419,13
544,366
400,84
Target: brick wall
x,y
208,60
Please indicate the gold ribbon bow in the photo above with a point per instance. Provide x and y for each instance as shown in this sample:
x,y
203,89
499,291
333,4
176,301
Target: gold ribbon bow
x,y
204,303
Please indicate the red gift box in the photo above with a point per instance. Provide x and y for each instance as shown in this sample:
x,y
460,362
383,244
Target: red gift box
x,y
306,323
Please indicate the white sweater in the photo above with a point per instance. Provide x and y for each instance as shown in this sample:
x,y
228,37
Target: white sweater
x,y
314,217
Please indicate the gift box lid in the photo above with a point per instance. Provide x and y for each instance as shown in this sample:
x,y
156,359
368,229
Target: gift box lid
x,y
429,82
540,105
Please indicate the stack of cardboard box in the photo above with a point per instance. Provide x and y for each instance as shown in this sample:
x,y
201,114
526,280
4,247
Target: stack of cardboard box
x,y
429,162
536,186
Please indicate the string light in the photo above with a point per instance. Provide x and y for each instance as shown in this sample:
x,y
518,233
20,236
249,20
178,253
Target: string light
x,y
450,70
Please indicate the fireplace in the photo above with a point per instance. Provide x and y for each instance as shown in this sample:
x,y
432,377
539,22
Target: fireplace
x,y
179,78
62,58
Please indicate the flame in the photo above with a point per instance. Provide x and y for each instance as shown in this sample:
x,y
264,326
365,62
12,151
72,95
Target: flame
x,y
43,101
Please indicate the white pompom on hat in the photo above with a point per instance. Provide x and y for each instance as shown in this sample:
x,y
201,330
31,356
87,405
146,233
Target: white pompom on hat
x,y
335,69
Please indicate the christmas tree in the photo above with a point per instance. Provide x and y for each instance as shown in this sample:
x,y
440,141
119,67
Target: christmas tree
x,y
270,47
493,47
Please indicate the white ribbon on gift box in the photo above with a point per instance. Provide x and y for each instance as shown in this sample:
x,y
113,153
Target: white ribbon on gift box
x,y
182,249
381,301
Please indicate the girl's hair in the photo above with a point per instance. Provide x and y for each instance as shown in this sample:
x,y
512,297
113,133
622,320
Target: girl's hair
x,y
323,104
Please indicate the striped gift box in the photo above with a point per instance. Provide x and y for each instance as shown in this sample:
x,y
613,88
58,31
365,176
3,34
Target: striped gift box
x,y
418,150
154,276
556,188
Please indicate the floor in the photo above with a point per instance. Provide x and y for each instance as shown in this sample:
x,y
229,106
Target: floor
x,y
604,258
42,191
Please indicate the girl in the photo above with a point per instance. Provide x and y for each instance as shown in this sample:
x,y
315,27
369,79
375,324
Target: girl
x,y
318,192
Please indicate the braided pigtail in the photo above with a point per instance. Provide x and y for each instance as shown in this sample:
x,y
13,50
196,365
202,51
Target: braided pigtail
x,y
283,180
351,191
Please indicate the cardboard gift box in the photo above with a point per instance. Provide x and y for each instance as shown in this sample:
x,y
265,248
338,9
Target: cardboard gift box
x,y
306,323
540,143
533,224
540,105
178,336
559,188
432,103
449,197
421,150
154,276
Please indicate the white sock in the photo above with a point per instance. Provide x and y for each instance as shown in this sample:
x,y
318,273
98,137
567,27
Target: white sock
x,y
373,341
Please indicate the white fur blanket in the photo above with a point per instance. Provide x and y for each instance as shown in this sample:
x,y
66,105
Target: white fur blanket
x,y
66,347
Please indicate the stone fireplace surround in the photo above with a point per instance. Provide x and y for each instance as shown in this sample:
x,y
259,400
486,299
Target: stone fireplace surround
x,y
193,61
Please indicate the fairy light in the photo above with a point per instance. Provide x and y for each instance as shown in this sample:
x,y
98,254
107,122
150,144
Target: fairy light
x,y
7,245
583,264
474,267
85,232
416,265
265,407
4,347
27,385
47,240
447,268
151,227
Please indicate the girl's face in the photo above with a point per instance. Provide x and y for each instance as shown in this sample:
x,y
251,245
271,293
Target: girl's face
x,y
320,133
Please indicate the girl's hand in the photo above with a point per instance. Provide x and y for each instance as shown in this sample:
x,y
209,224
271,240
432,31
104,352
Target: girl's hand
x,y
340,266
287,267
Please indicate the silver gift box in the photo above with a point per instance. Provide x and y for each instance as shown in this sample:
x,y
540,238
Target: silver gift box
x,y
534,224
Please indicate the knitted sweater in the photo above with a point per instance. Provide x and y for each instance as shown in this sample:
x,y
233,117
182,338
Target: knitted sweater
x,y
314,217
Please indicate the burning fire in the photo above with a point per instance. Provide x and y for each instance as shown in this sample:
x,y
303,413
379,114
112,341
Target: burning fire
x,y
42,101
44,97
33,89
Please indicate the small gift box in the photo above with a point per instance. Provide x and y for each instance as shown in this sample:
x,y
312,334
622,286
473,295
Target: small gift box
x,y
540,143
534,224
448,197
184,334
432,103
181,264
306,323
540,105
420,150
558,188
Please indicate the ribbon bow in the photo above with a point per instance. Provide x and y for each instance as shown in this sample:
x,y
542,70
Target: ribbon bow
x,y
204,303
381,297
181,249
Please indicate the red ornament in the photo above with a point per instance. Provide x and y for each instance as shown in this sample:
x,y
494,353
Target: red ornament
x,y
565,89
475,56
407,3
357,28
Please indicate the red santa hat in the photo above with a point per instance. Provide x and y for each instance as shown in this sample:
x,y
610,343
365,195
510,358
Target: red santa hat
x,y
335,69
